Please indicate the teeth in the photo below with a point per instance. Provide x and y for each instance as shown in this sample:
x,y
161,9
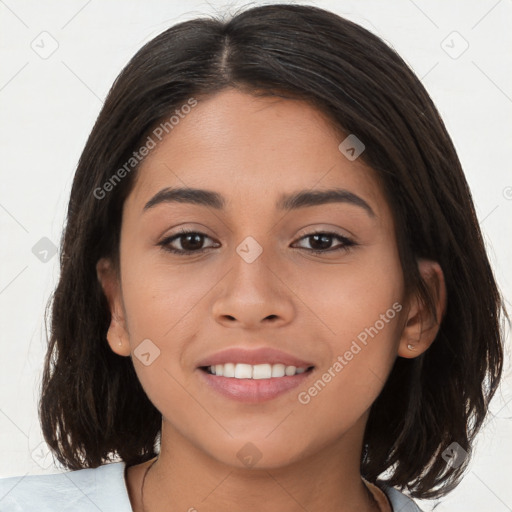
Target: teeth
x,y
229,370
258,371
290,370
243,371
278,370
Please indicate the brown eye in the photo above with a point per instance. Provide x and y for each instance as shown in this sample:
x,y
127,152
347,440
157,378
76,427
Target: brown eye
x,y
321,242
190,242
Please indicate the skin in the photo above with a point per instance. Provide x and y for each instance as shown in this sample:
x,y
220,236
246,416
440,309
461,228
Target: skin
x,y
251,150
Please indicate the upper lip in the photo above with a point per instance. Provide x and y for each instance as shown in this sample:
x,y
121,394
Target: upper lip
x,y
254,356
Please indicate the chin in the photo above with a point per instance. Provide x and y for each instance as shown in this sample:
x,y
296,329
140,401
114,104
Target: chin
x,y
254,454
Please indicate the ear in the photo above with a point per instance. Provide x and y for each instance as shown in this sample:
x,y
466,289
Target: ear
x,y
421,327
117,335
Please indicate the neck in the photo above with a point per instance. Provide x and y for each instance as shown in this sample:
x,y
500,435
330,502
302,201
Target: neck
x,y
185,478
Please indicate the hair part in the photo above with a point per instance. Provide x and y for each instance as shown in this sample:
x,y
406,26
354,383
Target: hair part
x,y
92,406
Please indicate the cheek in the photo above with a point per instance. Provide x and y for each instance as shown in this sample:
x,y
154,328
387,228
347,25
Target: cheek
x,y
358,295
158,295
361,357
163,306
360,307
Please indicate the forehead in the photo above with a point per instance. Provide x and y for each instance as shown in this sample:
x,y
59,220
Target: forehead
x,y
253,149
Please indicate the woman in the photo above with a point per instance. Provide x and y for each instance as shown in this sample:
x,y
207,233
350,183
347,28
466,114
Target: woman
x,y
273,284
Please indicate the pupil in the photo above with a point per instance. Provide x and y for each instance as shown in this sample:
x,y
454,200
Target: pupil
x,y
197,238
324,241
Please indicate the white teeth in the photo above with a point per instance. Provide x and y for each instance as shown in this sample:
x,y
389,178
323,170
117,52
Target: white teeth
x,y
290,370
278,370
261,371
258,371
243,371
229,370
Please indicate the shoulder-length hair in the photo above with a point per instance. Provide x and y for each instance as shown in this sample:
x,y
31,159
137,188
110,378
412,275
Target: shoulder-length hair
x,y
92,405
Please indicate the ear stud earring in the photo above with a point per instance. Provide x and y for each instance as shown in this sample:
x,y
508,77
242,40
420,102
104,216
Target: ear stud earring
x,y
411,346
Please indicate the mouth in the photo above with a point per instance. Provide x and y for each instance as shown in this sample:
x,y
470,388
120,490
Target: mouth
x,y
253,375
253,384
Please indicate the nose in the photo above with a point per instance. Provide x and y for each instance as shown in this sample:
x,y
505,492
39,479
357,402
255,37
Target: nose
x,y
253,295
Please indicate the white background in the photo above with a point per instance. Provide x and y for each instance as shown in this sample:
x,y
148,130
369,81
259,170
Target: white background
x,y
47,109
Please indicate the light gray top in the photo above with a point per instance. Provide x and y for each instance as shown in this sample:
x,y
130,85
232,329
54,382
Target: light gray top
x,y
101,489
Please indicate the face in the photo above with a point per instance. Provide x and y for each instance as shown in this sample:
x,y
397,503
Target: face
x,y
247,278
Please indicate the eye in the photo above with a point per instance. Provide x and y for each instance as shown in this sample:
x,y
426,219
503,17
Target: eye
x,y
321,242
191,242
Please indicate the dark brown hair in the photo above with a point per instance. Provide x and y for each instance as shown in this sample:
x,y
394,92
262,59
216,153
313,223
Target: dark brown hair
x,y
92,406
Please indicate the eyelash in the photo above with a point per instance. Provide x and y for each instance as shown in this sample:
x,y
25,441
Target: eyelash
x,y
347,243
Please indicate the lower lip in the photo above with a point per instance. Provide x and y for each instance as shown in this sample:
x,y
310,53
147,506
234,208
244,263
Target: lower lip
x,y
253,390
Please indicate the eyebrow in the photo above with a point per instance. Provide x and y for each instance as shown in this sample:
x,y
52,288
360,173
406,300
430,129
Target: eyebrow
x,y
293,201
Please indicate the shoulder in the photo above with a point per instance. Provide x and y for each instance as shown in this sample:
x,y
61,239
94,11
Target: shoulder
x,y
399,501
102,488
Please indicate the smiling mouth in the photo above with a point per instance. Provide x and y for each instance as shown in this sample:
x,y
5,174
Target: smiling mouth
x,y
255,372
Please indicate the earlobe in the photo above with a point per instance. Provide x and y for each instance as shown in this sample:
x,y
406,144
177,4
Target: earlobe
x,y
117,335
422,325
